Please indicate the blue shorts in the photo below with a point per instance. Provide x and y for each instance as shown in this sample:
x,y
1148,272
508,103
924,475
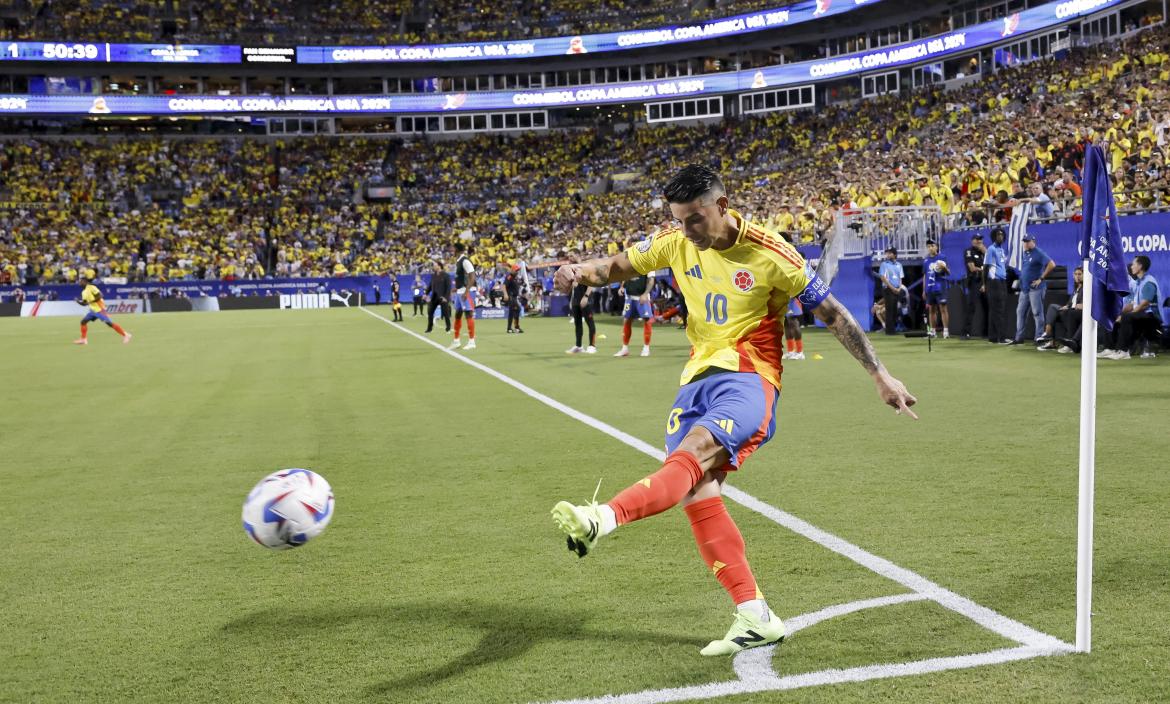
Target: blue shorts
x,y
795,309
465,302
93,315
637,309
739,408
936,298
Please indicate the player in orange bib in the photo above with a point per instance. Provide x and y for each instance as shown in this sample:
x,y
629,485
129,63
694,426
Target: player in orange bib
x,y
737,279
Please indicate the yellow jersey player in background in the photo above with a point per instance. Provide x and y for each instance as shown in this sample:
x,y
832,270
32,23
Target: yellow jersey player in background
x,y
737,280
91,296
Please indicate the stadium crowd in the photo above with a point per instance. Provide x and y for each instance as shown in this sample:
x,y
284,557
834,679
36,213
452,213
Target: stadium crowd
x,y
350,21
157,209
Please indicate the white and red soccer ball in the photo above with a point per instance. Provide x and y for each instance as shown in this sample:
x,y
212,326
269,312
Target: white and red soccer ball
x,y
288,509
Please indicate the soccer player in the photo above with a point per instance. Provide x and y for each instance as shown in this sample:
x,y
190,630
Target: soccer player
x,y
637,305
464,297
741,280
792,334
92,297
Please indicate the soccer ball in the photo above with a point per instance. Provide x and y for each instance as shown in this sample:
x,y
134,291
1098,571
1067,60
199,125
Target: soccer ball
x,y
288,508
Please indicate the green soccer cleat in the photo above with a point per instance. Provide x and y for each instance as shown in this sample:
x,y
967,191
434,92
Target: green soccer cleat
x,y
580,524
748,631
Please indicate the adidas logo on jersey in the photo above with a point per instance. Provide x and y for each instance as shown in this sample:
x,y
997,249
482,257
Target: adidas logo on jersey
x,y
695,272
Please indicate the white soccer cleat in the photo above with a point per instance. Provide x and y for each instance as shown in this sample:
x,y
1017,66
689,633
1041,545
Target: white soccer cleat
x,y
574,350
623,352
1106,354
470,345
1120,354
748,631
797,355
786,355
126,338
645,351
1149,355
590,350
81,341
455,345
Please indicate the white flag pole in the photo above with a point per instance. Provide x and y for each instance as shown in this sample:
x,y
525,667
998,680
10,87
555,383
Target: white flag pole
x,y
1088,445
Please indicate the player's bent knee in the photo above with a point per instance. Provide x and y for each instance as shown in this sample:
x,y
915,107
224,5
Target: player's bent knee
x,y
702,444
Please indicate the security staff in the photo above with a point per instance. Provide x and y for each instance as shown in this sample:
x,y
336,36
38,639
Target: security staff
x,y
974,295
995,283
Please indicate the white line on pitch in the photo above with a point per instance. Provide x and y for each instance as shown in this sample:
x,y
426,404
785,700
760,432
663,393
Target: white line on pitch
x,y
997,623
815,679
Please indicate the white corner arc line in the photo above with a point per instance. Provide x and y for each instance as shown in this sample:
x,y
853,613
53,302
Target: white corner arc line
x,y
1034,641
755,664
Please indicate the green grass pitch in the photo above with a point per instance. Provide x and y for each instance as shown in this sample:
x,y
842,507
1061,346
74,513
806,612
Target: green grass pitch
x,y
125,574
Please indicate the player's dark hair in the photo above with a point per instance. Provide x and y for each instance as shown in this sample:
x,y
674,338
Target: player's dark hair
x,y
1144,261
694,181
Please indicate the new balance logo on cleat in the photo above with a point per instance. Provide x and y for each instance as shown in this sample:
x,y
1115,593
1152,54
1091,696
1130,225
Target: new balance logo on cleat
x,y
695,272
745,641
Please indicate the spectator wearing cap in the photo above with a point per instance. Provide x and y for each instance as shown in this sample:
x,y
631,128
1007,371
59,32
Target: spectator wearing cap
x,y
974,293
995,284
891,274
1035,265
1141,314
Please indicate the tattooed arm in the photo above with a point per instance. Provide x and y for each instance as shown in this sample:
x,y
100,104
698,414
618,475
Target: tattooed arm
x,y
595,272
838,319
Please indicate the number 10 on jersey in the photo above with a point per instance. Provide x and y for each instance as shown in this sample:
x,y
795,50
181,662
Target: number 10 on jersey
x,y
716,304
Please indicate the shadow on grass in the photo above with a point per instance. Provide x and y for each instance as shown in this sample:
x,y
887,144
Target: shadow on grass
x,y
509,631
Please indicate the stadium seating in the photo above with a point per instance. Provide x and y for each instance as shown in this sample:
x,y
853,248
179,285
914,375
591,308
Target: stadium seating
x,y
155,208
349,21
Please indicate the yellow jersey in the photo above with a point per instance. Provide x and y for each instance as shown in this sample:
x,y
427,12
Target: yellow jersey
x,y
92,297
736,297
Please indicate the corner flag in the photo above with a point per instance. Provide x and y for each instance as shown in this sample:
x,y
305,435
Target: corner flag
x,y
1104,285
1101,240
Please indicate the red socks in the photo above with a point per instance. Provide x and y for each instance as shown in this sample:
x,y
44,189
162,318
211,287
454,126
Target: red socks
x,y
627,331
800,345
84,330
659,491
791,344
471,327
458,327
722,548
117,328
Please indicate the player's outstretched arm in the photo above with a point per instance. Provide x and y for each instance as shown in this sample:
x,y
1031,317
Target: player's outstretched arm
x,y
839,320
595,272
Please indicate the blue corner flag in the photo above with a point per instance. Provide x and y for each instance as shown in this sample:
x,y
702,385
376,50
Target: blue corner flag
x,y
1101,240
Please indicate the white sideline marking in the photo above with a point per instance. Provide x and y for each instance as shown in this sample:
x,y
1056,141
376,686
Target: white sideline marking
x,y
816,679
1033,643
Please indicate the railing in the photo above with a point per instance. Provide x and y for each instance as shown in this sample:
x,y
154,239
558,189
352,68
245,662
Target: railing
x,y
867,232
1128,202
